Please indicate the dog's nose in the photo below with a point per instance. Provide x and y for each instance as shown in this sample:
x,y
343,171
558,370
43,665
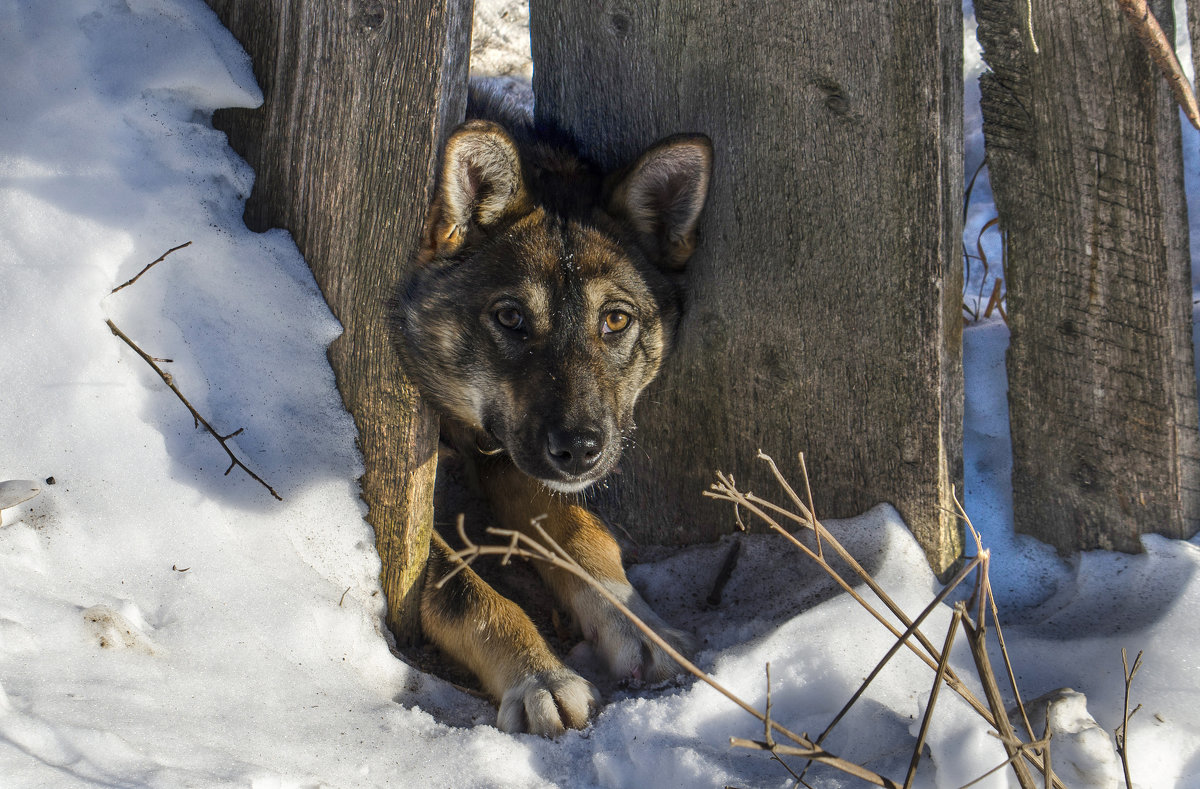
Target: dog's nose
x,y
574,451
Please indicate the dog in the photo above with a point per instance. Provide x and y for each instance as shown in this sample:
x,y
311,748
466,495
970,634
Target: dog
x,y
544,298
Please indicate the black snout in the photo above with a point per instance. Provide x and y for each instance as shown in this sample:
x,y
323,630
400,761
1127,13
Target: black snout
x,y
574,452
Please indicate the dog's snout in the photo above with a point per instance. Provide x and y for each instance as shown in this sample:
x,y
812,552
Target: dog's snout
x,y
574,452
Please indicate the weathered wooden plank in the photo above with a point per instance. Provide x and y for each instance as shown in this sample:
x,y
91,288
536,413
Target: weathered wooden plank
x,y
825,313
1083,146
359,96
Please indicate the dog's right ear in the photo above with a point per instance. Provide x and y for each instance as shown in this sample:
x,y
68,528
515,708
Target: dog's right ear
x,y
662,194
481,183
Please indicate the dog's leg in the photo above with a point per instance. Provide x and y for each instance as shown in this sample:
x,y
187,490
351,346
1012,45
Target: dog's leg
x,y
495,639
516,500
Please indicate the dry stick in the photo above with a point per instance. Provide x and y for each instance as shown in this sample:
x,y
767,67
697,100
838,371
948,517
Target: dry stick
x,y
753,503
901,641
1012,677
812,509
966,255
943,664
767,732
994,301
811,522
991,598
750,501
525,547
199,420
1022,749
977,639
149,266
1163,54
1029,26
725,491
983,258
1122,733
1047,770
767,721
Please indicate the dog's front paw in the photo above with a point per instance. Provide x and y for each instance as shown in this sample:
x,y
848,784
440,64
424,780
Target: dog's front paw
x,y
627,650
548,703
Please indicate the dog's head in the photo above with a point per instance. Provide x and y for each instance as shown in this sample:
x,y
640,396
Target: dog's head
x,y
545,297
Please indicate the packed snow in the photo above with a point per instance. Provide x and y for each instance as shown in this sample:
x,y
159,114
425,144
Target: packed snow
x,y
164,623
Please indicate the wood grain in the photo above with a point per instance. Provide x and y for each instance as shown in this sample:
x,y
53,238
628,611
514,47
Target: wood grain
x,y
825,313
1083,145
358,98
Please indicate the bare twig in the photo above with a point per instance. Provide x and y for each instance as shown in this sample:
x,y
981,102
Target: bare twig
x,y
725,490
545,549
991,599
1029,26
769,738
996,302
1012,677
901,641
148,267
1163,54
967,256
1122,732
943,664
812,510
817,754
976,638
199,420
1047,770
1019,749
983,258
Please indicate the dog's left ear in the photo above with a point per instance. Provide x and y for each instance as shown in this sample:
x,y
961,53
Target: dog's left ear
x,y
481,184
662,193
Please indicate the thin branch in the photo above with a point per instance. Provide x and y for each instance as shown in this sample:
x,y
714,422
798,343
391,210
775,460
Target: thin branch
x,y
1029,26
1020,749
199,420
976,640
1148,31
812,510
997,299
770,739
545,549
991,598
724,490
943,664
149,266
817,754
1047,770
1012,677
912,628
1122,733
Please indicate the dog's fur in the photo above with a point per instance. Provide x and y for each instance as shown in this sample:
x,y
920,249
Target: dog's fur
x,y
544,299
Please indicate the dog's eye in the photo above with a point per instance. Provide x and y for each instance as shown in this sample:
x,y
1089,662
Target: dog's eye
x,y
615,321
510,318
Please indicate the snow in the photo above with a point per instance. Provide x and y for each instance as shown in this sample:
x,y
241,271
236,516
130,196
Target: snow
x,y
164,624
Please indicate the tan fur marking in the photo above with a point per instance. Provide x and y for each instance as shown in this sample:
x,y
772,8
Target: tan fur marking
x,y
497,641
517,500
